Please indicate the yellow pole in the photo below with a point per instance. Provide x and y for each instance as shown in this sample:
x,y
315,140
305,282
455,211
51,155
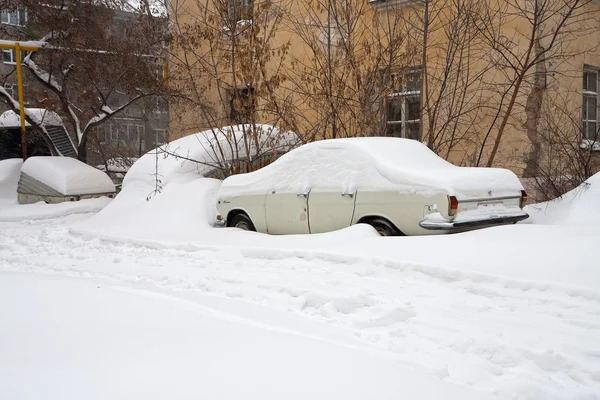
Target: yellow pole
x,y
21,102
166,73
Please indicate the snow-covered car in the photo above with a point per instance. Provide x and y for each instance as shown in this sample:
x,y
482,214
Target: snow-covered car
x,y
398,186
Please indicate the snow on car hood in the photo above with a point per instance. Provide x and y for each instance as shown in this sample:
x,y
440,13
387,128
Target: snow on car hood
x,y
371,164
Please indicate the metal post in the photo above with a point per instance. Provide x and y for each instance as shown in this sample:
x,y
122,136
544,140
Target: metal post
x,y
166,73
21,102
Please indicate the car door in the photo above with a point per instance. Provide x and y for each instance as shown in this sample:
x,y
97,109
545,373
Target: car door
x,y
287,213
330,210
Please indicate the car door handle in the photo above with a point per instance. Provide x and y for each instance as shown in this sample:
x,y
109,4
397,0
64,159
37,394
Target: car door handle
x,y
351,195
302,195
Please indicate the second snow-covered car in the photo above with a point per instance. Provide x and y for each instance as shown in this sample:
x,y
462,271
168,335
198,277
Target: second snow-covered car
x,y
398,186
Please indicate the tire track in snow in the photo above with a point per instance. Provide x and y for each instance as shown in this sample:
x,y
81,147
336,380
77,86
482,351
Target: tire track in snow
x,y
496,335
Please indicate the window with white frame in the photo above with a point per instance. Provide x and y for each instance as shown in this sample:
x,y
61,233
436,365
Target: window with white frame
x,y
16,17
12,89
160,137
404,105
9,56
590,104
102,133
135,133
114,132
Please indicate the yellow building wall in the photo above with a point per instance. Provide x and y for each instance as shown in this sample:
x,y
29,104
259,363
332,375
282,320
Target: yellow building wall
x,y
209,109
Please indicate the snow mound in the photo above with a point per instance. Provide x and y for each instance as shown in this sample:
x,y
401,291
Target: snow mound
x,y
16,212
371,163
68,175
10,170
9,177
172,176
41,116
198,154
580,206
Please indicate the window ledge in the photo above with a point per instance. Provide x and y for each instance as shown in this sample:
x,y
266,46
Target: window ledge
x,y
589,144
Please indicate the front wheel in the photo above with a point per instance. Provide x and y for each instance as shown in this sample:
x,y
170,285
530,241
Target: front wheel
x,y
242,221
383,227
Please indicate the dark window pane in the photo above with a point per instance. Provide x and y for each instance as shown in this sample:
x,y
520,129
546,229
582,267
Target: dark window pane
x,y
592,81
584,107
413,82
7,56
413,108
22,17
394,130
395,109
591,108
591,130
412,130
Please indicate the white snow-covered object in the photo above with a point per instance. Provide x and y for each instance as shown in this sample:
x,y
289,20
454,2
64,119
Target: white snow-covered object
x,y
57,179
397,185
10,119
202,153
9,176
377,162
580,206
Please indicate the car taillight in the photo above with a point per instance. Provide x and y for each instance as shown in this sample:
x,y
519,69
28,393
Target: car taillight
x,y
523,198
452,205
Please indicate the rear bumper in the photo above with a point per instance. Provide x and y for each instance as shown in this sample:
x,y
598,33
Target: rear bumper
x,y
449,225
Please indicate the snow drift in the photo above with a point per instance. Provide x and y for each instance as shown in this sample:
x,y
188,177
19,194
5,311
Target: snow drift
x,y
9,177
172,178
197,155
580,206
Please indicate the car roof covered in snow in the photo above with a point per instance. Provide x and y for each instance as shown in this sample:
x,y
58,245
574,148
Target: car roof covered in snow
x,y
369,163
67,175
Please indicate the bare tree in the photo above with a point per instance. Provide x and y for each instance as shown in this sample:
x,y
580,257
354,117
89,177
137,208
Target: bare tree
x,y
226,65
563,160
523,37
86,59
341,80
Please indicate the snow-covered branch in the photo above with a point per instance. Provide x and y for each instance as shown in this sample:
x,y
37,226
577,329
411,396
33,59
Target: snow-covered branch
x,y
108,112
41,74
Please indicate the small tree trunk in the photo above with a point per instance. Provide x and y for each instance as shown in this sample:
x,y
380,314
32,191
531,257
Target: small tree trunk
x,y
82,149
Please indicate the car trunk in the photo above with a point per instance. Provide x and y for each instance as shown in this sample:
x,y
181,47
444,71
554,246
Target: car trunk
x,y
484,193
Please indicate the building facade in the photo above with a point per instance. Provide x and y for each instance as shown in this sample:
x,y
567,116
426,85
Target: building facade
x,y
482,82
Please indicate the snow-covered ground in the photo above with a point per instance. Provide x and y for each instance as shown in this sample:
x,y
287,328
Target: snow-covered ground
x,y
146,300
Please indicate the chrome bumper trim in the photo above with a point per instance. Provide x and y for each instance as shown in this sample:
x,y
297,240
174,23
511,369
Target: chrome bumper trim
x,y
219,223
448,225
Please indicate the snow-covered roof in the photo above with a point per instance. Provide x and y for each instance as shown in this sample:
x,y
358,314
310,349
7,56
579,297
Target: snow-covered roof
x,y
377,162
10,119
211,148
68,175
